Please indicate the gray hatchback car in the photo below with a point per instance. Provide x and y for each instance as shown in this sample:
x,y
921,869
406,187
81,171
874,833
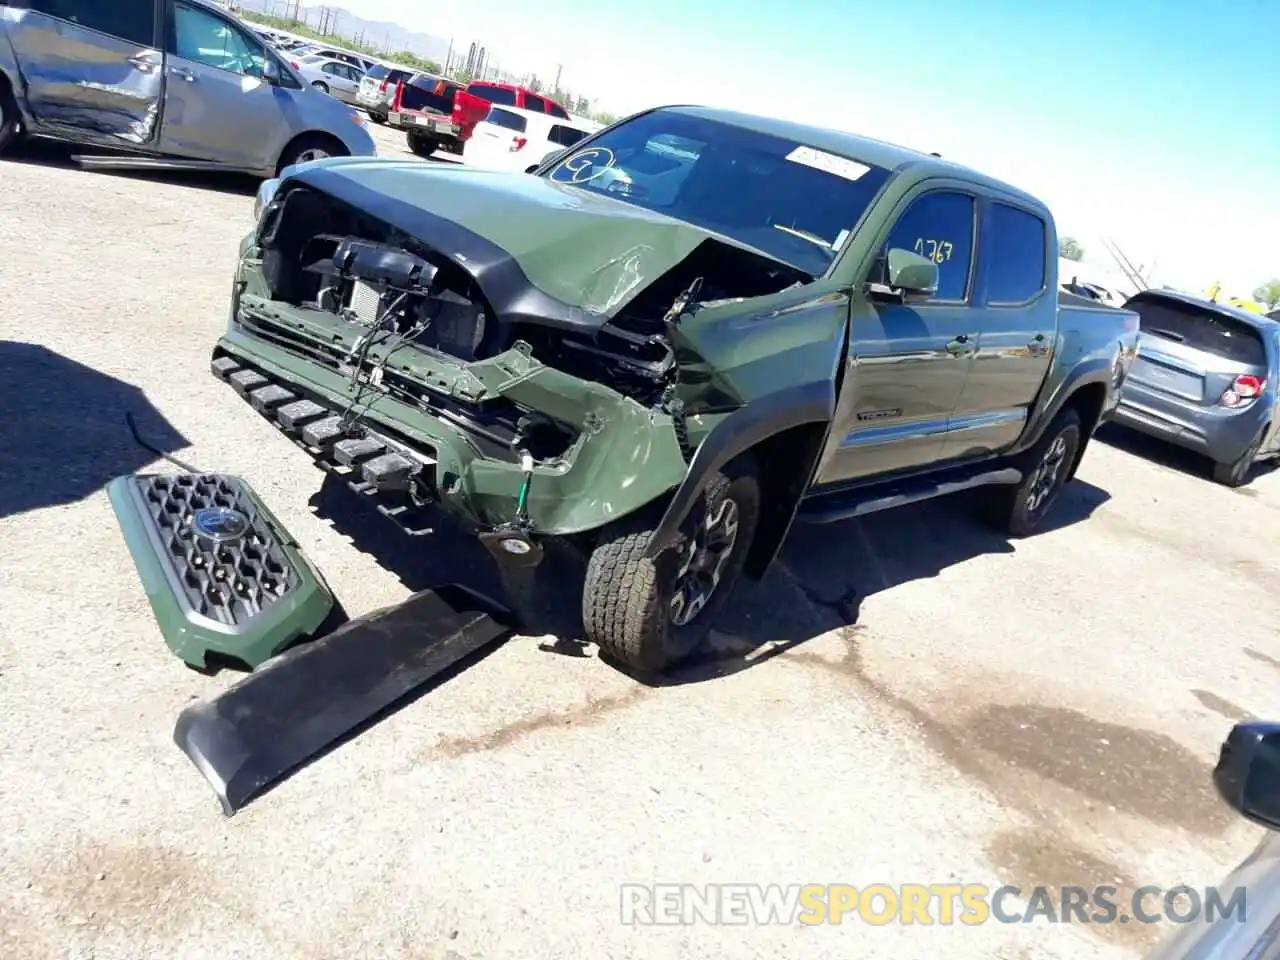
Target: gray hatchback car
x,y
178,83
1205,379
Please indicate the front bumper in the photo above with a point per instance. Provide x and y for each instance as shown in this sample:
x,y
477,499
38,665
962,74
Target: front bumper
x,y
624,457
1219,433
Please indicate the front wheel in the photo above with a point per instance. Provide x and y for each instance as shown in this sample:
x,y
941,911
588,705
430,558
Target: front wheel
x,y
321,86
378,117
312,146
1020,510
652,614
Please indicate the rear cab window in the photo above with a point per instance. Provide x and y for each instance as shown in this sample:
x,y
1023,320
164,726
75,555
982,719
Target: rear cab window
x,y
1015,247
506,119
500,95
1202,328
425,92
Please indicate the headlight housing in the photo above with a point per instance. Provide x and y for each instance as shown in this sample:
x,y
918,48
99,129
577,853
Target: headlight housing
x,y
266,193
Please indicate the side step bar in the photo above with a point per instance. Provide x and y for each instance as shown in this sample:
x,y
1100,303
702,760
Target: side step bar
x,y
858,502
313,696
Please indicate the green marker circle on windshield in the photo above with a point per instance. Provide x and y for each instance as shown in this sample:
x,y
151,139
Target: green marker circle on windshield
x,y
585,165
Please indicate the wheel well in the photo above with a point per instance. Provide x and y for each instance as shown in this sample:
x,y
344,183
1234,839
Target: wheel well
x,y
1087,401
785,464
310,135
6,89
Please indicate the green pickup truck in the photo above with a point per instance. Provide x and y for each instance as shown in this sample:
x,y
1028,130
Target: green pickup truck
x,y
667,345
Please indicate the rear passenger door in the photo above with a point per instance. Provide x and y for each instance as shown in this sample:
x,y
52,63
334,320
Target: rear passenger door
x,y
92,66
1017,324
910,361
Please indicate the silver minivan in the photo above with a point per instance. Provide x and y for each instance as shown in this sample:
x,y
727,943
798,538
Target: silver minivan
x,y
1205,379
178,83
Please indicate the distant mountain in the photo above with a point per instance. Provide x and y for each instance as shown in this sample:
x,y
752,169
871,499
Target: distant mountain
x,y
387,37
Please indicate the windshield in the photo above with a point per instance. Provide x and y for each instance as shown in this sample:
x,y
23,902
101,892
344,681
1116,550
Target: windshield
x,y
794,202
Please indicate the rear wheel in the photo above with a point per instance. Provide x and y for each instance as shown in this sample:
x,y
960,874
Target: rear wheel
x,y
1236,473
377,117
421,144
652,614
10,120
1020,510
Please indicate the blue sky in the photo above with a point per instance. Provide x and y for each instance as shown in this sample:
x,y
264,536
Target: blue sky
x,y
1156,123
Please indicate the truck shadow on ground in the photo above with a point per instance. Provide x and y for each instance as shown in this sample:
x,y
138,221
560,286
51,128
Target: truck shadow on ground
x,y
1167,455
68,429
817,584
48,153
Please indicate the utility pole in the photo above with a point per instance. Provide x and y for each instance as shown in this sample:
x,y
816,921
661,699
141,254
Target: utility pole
x,y
448,58
556,88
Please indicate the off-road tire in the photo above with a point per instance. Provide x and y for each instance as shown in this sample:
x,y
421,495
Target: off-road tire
x,y
421,145
1237,473
626,597
10,119
1007,509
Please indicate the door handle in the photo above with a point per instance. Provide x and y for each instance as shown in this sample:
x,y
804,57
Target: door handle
x,y
143,62
182,73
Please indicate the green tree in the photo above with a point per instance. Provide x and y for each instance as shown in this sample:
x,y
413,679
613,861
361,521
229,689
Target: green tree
x,y
582,106
1268,294
605,117
535,84
1069,249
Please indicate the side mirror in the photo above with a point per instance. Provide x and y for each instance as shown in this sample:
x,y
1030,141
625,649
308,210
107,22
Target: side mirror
x,y
270,72
1248,772
913,276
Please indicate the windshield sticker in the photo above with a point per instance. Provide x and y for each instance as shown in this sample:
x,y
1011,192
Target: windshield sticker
x,y
828,162
584,166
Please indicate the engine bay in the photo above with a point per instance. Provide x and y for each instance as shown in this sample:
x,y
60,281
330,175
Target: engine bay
x,y
321,253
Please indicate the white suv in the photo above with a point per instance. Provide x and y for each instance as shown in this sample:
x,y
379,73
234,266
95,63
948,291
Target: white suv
x,y
509,138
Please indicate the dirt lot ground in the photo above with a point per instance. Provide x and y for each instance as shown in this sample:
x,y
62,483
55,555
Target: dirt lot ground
x,y
1040,713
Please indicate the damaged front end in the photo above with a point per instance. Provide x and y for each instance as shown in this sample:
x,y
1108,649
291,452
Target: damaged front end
x,y
520,372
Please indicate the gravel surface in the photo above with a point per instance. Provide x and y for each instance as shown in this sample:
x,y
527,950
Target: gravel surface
x,y
1045,712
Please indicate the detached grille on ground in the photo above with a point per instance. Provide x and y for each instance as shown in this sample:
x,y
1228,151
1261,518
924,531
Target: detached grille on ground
x,y
224,555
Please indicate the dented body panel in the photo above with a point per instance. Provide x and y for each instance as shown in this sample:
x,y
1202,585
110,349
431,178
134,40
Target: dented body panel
x,y
76,77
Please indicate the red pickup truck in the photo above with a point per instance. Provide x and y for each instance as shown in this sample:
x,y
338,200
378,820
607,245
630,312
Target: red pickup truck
x,y
471,104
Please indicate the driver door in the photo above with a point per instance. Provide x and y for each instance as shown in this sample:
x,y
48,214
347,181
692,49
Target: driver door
x,y
217,105
908,363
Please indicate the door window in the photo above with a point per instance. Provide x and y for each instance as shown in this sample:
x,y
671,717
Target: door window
x,y
939,226
556,111
132,20
203,38
536,104
331,68
563,136
1016,252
